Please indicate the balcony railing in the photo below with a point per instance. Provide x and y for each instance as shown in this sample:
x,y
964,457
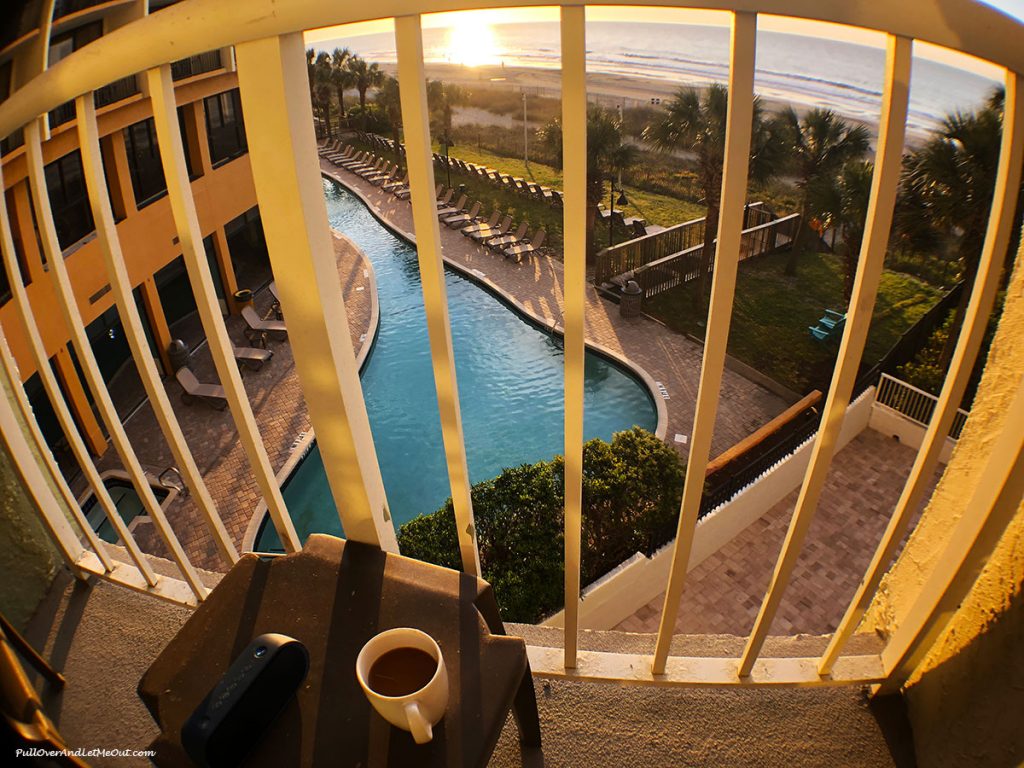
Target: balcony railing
x,y
117,91
273,83
104,96
915,404
62,8
209,61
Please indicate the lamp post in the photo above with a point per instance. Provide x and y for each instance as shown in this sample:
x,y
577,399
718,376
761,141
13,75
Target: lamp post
x,y
526,149
622,201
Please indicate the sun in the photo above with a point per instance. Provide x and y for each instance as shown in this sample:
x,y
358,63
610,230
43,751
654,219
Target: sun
x,y
471,43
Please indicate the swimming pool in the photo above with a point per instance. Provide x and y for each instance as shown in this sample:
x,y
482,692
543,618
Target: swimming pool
x,y
510,380
126,501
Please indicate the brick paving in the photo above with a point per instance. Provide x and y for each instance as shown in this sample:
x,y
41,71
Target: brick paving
x,y
724,593
280,411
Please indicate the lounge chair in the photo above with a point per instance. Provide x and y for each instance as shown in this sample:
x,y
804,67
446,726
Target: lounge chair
x,y
387,174
251,357
456,220
360,161
330,148
406,192
392,186
517,252
507,241
260,328
490,223
371,170
351,160
486,233
193,389
443,201
342,154
451,210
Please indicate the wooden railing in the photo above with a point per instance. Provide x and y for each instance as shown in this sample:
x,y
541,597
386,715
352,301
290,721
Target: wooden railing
x,y
632,254
267,36
672,270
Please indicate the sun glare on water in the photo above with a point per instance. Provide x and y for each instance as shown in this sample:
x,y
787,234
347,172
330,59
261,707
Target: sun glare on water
x,y
471,43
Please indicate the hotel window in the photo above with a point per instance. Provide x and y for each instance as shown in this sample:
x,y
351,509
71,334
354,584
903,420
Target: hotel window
x,y
225,128
187,138
69,199
144,162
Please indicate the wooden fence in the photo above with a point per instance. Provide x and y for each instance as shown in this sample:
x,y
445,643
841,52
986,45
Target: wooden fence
x,y
665,259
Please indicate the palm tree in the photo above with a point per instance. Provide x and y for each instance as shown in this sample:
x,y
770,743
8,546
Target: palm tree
x,y
952,177
389,99
849,211
607,154
320,86
821,145
341,77
695,123
443,98
364,76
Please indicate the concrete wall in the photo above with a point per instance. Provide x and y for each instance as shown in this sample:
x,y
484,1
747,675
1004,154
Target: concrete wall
x,y
636,582
966,699
893,424
28,561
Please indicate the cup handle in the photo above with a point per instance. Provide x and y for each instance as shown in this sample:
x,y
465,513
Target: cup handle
x,y
421,730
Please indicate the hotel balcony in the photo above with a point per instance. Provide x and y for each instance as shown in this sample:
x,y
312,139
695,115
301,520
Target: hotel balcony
x,y
852,598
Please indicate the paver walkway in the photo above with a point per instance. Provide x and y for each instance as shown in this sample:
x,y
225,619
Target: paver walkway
x,y
724,593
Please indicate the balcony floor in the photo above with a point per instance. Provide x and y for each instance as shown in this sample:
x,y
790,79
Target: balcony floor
x,y
723,593
104,637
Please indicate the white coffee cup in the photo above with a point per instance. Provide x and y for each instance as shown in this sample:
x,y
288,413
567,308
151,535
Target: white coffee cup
x,y
417,711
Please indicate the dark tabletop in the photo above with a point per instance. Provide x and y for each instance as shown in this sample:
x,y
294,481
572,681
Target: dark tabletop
x,y
334,596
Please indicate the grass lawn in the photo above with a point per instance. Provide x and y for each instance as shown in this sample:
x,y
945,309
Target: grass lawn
x,y
538,213
772,312
656,208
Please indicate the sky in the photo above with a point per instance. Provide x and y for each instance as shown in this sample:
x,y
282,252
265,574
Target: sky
x,y
1014,8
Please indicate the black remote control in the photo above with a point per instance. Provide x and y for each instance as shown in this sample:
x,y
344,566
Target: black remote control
x,y
259,683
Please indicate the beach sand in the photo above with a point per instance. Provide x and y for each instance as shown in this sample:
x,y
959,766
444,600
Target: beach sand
x,y
608,90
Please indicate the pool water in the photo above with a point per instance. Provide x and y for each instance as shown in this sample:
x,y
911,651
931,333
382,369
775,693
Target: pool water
x,y
126,500
510,380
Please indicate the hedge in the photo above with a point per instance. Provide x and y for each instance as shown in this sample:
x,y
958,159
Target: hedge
x,y
631,493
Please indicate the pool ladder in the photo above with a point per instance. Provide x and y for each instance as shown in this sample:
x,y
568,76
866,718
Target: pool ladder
x,y
173,484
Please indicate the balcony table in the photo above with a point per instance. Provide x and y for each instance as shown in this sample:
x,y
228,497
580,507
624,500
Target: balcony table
x,y
334,596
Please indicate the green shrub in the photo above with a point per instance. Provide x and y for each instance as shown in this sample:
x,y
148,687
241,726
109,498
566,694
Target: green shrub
x,y
631,492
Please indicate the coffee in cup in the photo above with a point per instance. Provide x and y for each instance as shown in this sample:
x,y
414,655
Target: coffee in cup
x,y
402,673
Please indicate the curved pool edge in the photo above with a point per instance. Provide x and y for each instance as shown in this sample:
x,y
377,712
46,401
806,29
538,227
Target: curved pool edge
x,y
252,529
510,300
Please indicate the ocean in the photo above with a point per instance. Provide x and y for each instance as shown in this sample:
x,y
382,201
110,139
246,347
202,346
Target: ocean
x,y
802,70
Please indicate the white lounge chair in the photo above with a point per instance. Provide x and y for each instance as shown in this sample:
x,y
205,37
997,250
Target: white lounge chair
x,y
193,389
258,328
